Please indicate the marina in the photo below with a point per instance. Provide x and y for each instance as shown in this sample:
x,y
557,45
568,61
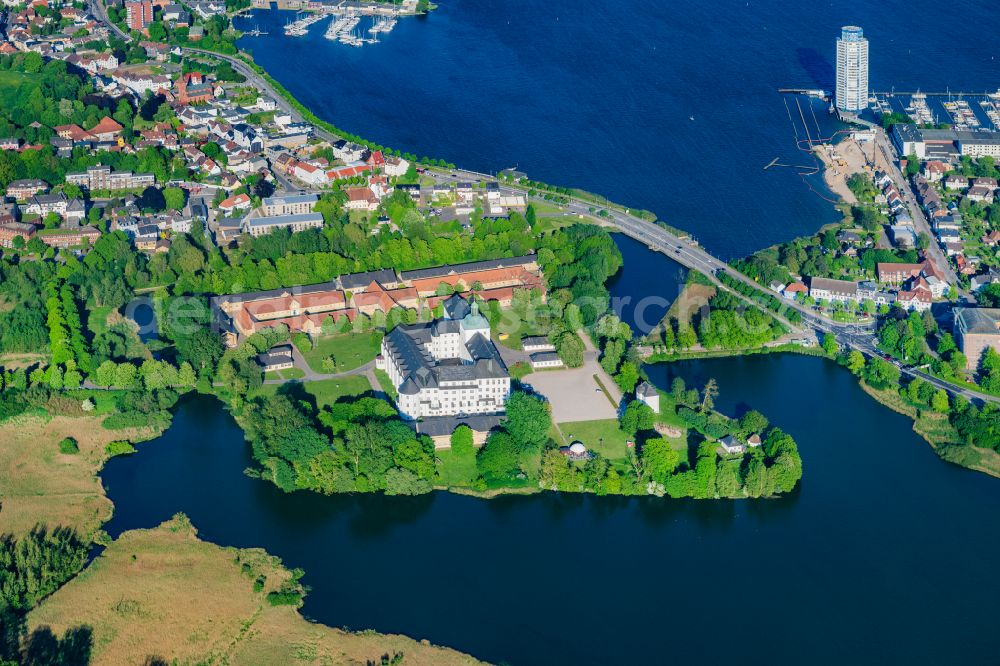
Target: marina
x,y
345,25
960,110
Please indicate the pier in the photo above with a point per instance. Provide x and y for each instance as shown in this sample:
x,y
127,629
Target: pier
x,y
300,27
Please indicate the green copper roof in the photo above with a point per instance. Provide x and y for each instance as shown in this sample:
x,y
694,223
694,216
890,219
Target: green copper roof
x,y
475,321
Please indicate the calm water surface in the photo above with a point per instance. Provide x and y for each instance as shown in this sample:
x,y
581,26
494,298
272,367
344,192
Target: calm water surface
x,y
669,106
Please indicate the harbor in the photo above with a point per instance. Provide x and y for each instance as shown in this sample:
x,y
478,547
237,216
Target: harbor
x,y
351,23
958,110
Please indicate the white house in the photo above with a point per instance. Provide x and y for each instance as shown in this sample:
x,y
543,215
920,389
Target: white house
x,y
647,393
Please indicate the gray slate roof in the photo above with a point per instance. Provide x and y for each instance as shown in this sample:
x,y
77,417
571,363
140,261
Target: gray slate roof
x,y
441,271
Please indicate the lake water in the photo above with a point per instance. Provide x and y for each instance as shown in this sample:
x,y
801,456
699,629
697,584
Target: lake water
x,y
669,106
643,290
883,554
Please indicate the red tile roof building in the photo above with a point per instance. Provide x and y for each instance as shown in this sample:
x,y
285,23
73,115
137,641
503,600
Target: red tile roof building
x,y
138,15
306,308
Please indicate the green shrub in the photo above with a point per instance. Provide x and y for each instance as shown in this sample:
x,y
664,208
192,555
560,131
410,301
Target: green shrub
x,y
136,419
69,446
119,448
284,598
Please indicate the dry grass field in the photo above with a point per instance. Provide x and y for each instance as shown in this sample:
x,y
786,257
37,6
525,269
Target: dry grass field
x,y
38,484
165,593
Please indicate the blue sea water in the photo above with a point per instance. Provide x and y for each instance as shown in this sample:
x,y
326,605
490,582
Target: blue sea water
x,y
667,106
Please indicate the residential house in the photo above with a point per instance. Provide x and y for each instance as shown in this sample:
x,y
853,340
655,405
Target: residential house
x,y
833,290
956,182
65,238
108,129
980,194
897,274
10,230
22,190
647,393
935,170
542,360
732,446
43,204
914,300
361,198
235,203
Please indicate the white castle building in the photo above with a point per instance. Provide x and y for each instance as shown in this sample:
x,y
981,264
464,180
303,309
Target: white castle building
x,y
449,367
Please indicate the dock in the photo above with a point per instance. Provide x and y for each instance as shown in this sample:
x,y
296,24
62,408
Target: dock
x,y
300,27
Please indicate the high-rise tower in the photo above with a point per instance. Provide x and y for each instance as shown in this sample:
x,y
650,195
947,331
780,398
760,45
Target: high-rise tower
x,y
852,70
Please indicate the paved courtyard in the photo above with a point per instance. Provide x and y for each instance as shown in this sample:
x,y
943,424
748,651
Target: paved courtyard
x,y
574,394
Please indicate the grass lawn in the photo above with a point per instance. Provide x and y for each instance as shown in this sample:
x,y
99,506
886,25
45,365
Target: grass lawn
x,y
546,207
604,437
349,350
359,216
164,592
383,380
290,373
456,470
547,223
97,319
326,391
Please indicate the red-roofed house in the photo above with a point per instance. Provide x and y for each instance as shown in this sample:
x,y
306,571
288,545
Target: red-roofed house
x,y
361,198
346,172
73,133
914,300
106,130
308,173
238,202
889,273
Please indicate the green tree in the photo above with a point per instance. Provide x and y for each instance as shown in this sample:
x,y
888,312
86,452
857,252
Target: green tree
x,y
659,459
939,403
708,395
638,416
830,346
856,362
499,458
752,422
461,441
528,419
404,482
174,198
